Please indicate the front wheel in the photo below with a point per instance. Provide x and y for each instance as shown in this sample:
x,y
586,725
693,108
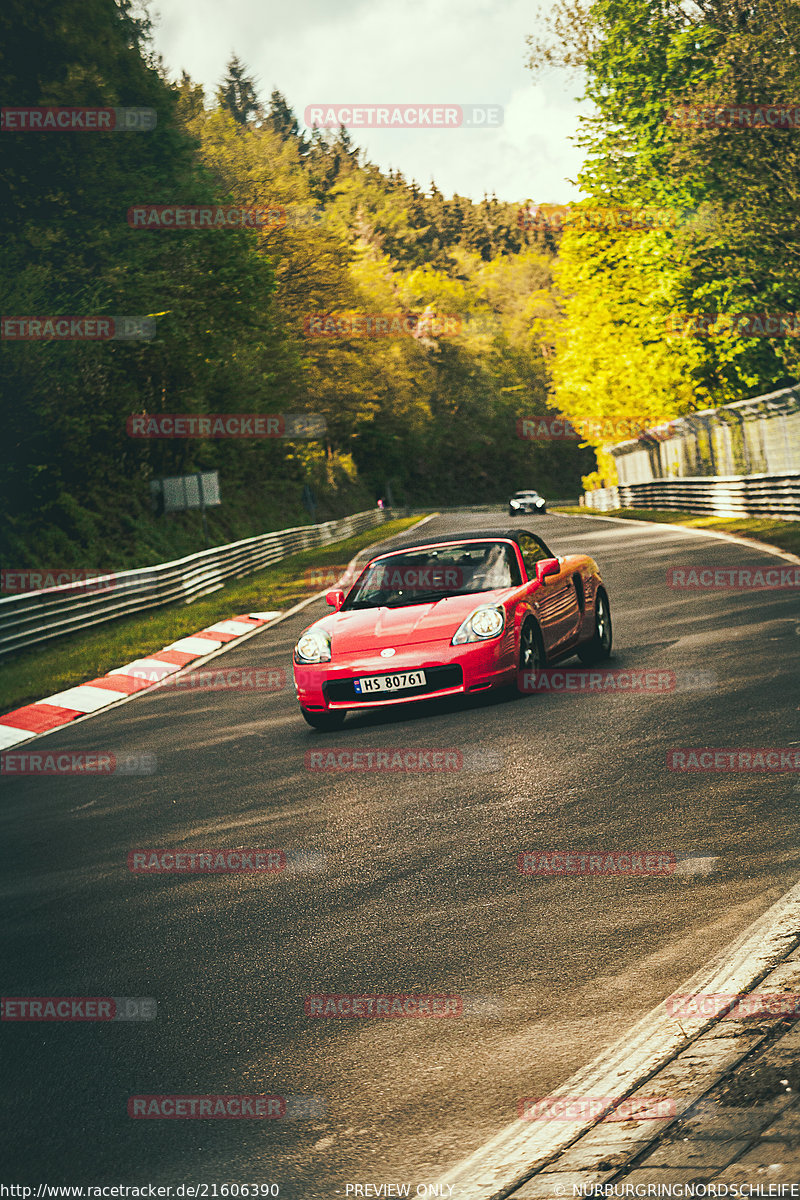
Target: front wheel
x,y
324,720
531,655
598,648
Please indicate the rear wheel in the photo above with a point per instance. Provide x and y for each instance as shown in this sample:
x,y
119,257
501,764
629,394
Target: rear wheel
x,y
324,720
598,648
531,655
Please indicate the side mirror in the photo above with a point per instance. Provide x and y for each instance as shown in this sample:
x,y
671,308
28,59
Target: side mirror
x,y
335,599
547,566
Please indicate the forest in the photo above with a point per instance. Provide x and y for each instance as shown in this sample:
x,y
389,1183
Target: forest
x,y
256,319
424,331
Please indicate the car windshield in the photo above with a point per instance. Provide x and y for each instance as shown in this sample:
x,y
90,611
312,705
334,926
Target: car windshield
x,y
423,576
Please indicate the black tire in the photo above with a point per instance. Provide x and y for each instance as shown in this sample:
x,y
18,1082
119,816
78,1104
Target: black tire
x,y
324,720
598,648
512,512
531,654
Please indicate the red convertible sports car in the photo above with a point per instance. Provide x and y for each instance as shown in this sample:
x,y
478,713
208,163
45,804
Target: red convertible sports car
x,y
449,616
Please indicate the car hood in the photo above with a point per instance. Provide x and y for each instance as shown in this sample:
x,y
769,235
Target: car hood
x,y
375,628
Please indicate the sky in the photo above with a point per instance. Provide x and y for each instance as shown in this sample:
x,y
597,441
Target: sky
x,y
452,52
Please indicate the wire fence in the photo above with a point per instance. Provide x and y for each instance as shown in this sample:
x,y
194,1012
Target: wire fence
x,y
739,460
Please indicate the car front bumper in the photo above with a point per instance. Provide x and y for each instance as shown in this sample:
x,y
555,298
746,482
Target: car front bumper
x,y
451,671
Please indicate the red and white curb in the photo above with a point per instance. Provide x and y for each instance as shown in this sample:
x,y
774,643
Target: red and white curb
x,y
122,683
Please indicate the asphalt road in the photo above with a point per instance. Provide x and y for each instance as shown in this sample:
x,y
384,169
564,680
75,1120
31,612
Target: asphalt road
x,y
419,894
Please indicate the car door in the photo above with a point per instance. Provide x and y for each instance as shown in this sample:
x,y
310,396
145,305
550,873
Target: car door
x,y
555,603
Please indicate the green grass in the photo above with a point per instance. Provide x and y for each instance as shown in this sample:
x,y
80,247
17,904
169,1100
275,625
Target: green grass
x,y
41,671
784,534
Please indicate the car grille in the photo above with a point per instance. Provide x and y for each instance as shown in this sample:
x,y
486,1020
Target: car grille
x,y
339,690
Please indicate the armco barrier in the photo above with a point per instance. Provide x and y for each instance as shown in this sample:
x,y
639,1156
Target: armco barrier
x,y
601,499
720,496
34,617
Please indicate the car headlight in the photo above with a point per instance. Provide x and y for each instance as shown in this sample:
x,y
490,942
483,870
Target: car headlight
x,y
313,647
514,503
485,622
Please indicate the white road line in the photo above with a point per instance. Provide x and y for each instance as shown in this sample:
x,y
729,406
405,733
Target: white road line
x,y
507,1160
712,533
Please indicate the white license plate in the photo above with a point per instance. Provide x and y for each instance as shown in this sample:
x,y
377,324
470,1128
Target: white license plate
x,y
389,683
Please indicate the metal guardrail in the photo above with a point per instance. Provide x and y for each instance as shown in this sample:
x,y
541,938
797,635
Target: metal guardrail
x,y
720,495
33,617
601,499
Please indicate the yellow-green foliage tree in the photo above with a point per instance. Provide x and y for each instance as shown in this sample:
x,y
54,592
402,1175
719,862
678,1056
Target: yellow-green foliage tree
x,y
731,195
